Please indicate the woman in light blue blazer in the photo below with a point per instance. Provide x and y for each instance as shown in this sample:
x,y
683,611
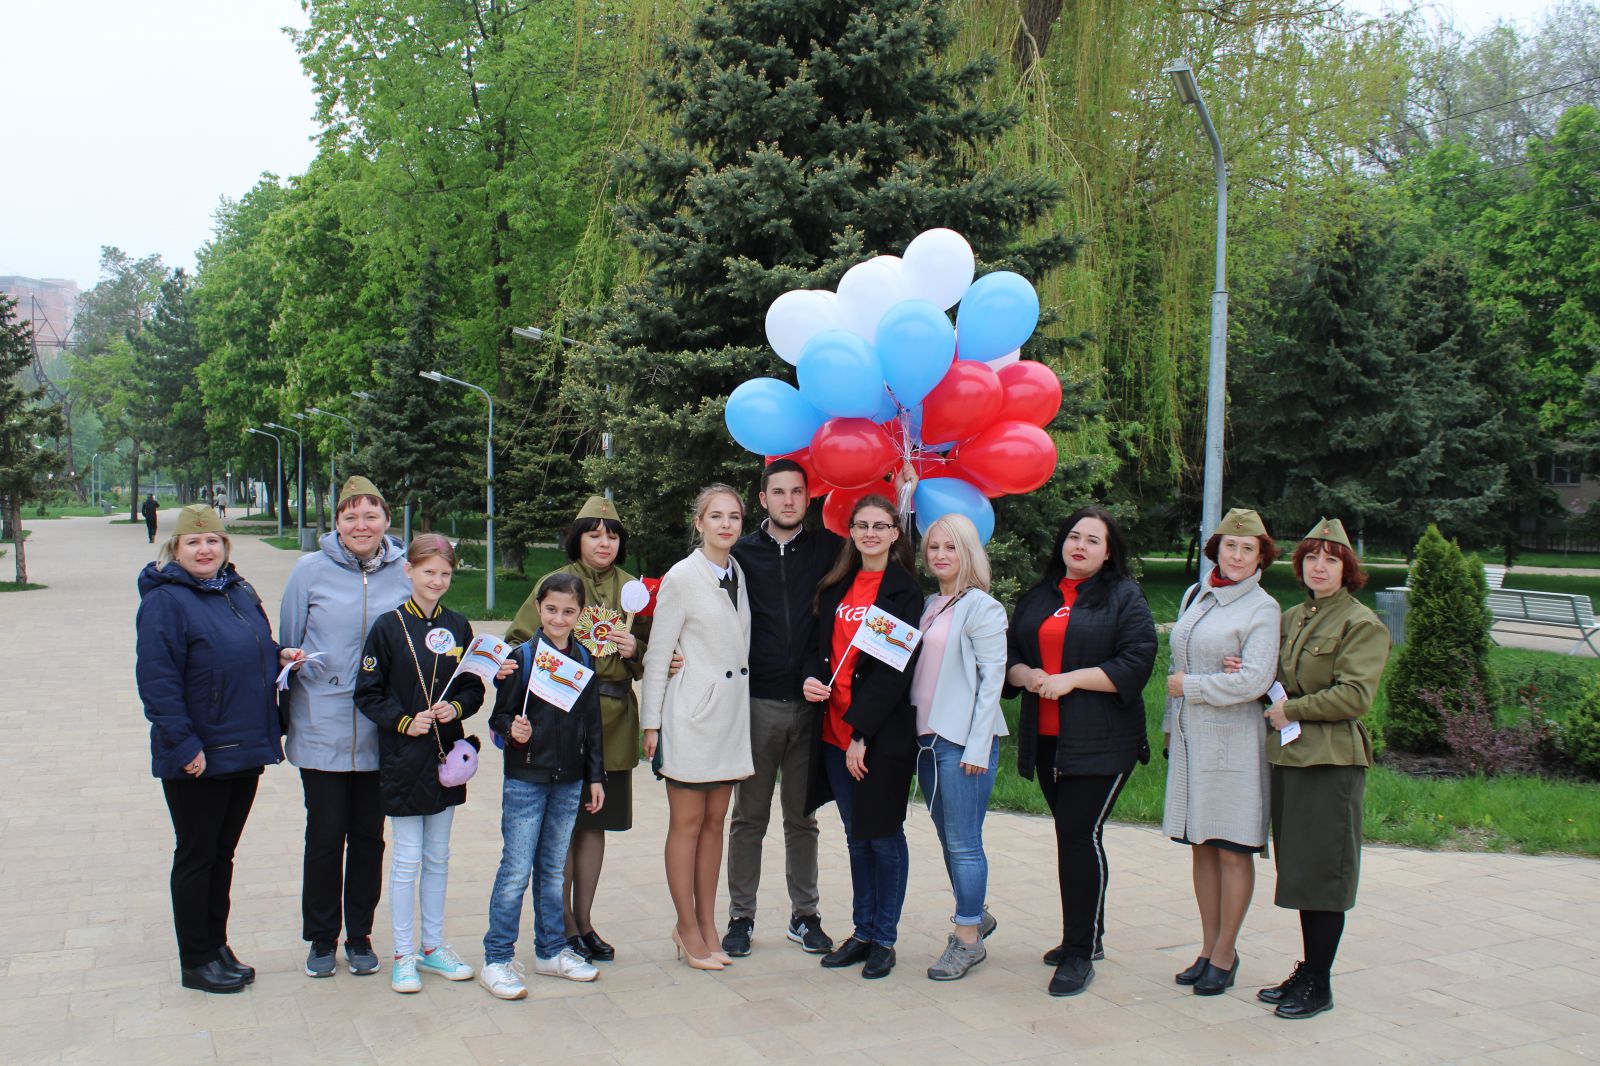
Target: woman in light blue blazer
x,y
956,691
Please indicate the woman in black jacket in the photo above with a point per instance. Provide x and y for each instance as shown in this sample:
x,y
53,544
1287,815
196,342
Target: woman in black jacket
x,y
205,668
1082,644
410,657
864,746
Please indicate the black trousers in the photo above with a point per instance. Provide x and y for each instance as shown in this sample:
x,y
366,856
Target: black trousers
x,y
344,854
1080,805
208,818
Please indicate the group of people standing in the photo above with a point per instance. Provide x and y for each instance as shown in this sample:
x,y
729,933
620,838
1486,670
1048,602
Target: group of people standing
x,y
750,688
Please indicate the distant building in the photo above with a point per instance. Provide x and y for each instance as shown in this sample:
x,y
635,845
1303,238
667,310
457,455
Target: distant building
x,y
49,302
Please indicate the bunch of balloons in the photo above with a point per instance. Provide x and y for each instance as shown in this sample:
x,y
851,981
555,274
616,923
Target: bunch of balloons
x,y
886,379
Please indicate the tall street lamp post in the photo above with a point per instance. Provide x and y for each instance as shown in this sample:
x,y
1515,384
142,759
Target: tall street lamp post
x,y
1182,76
299,484
279,485
434,375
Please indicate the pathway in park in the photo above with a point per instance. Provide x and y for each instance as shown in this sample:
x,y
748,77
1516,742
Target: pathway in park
x,y
1449,956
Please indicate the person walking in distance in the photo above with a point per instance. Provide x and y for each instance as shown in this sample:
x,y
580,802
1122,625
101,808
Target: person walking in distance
x,y
784,563
149,511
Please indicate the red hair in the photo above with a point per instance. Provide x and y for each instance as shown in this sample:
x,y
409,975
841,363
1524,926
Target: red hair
x,y
1354,577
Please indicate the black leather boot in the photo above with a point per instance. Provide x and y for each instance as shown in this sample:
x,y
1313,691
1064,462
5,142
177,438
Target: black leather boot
x,y
1313,997
214,976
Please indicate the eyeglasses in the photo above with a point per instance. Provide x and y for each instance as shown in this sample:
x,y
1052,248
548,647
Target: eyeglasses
x,y
876,527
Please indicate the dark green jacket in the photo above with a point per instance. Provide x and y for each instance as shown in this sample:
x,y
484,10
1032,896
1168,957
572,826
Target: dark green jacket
x,y
1330,660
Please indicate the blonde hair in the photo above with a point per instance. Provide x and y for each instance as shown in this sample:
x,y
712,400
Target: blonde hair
x,y
972,562
702,502
431,545
169,549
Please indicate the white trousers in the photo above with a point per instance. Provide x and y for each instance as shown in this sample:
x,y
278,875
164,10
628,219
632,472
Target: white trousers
x,y
421,843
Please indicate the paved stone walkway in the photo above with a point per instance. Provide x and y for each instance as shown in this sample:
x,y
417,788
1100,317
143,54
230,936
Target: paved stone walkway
x,y
1449,957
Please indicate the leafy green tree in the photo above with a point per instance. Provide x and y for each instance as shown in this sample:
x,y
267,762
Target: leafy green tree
x,y
804,135
415,432
166,356
1541,274
1446,652
24,465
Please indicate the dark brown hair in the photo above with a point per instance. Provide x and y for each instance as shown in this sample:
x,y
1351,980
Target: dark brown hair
x,y
1354,577
352,501
562,582
573,543
1269,549
783,466
849,561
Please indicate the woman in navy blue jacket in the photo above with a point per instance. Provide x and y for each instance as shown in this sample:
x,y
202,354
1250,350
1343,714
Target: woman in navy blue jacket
x,y
206,664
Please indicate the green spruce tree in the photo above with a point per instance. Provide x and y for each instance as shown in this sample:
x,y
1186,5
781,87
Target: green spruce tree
x,y
417,435
166,355
805,136
24,465
1447,643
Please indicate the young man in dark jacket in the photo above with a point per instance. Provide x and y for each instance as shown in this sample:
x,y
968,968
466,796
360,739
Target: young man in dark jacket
x,y
783,563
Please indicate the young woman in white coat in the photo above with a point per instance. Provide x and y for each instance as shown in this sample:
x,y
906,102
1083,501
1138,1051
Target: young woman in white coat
x,y
697,722
956,691
1216,798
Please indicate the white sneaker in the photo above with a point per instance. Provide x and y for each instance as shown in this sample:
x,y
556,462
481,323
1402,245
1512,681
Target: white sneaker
x,y
404,976
503,979
568,964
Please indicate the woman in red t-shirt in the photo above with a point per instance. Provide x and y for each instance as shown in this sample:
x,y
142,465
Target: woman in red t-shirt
x,y
864,746
1080,648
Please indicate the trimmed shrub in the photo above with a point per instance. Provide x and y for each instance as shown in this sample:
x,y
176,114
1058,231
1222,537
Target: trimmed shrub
x,y
1580,735
1446,653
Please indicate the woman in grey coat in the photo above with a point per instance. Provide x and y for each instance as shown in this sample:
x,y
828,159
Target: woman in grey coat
x,y
332,598
1217,767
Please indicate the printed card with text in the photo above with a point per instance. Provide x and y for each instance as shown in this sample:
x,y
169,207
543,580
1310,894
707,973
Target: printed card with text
x,y
886,638
557,679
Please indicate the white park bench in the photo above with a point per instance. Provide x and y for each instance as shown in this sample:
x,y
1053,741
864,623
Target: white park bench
x,y
1558,609
1495,576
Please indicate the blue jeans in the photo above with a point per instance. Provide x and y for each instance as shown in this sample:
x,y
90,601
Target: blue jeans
x,y
536,828
878,868
958,801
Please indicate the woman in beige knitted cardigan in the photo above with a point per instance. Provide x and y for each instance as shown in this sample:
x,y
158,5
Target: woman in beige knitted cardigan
x,y
1216,799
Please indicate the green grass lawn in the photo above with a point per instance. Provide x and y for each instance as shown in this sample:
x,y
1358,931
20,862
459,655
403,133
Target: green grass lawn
x,y
1529,814
1567,560
467,588
12,586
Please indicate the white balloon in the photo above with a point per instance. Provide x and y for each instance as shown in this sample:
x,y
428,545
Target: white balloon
x,y
1013,356
797,316
635,596
938,267
867,291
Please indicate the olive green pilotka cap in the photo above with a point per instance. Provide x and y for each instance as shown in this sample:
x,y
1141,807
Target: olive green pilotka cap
x,y
359,486
1242,522
598,507
1329,529
197,518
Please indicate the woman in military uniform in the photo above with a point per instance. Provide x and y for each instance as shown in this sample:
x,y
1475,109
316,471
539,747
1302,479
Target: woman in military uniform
x,y
596,542
1330,662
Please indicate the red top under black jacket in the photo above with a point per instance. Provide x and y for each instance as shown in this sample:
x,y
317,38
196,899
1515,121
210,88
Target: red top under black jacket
x,y
1101,732
880,712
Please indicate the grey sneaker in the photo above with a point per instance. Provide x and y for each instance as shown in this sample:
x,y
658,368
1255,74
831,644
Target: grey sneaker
x,y
320,960
987,926
359,954
957,959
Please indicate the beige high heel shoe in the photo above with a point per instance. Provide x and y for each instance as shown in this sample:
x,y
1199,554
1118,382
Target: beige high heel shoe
x,y
694,963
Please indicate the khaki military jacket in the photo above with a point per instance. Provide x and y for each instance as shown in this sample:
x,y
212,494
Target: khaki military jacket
x,y
1330,661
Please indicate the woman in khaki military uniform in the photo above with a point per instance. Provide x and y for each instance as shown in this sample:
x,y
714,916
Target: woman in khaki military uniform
x,y
596,542
1330,663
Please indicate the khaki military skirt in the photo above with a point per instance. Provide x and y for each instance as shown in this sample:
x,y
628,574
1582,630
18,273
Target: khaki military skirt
x,y
1316,834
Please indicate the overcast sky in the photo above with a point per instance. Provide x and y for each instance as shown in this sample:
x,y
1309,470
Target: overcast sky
x,y
128,121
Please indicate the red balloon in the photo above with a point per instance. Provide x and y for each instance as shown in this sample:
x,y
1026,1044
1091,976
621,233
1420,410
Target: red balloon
x,y
815,486
1012,457
954,468
851,452
840,502
1033,392
968,399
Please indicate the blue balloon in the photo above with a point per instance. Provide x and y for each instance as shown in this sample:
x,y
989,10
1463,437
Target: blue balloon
x,y
887,408
916,344
938,496
997,314
770,417
840,374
